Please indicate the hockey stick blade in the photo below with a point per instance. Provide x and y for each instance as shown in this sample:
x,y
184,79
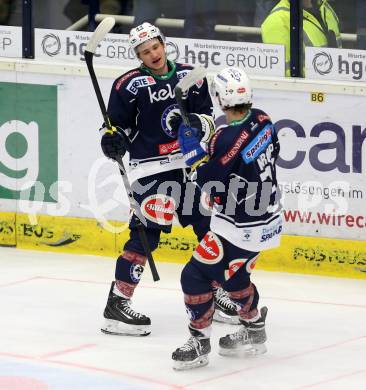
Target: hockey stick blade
x,y
195,75
101,31
98,35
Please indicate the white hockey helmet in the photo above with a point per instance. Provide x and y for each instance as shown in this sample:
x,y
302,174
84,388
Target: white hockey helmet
x,y
232,87
143,33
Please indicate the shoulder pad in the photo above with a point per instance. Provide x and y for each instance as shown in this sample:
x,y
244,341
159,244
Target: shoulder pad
x,y
127,76
261,116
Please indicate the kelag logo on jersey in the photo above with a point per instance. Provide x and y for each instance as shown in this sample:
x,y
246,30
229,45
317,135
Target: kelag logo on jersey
x,y
259,143
162,94
140,82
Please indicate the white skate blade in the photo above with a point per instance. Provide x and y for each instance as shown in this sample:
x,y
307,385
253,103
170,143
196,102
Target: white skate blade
x,y
220,316
201,361
248,350
122,329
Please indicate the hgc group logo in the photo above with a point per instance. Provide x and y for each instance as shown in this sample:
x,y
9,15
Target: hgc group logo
x,y
51,45
172,51
338,64
322,63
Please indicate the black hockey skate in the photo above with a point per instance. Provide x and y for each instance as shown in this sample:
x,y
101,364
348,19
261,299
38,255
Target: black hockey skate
x,y
225,308
121,319
250,338
194,353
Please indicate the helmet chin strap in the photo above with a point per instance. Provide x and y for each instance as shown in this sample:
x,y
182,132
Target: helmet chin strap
x,y
220,103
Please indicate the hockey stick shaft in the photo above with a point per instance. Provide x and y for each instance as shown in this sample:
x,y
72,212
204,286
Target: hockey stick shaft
x,y
133,204
181,105
89,63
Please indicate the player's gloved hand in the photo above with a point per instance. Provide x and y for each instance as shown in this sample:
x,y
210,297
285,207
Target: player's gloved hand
x,y
113,144
194,119
190,145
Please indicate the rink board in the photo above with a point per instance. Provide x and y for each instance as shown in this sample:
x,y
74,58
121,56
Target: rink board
x,y
321,168
51,165
298,254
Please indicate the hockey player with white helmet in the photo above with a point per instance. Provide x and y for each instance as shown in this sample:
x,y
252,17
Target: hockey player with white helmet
x,y
246,219
145,118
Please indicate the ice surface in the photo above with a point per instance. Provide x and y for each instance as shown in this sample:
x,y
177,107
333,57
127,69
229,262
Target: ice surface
x,y
51,312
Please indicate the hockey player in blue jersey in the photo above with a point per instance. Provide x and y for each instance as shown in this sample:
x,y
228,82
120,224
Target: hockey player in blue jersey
x,y
145,118
238,170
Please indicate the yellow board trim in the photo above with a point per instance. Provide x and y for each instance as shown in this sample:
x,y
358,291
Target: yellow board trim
x,y
297,254
7,229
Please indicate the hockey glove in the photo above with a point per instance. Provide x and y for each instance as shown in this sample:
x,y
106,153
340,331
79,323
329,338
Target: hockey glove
x,y
203,123
190,145
113,144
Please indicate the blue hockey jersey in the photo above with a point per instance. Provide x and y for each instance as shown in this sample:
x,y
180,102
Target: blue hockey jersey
x,y
240,178
141,104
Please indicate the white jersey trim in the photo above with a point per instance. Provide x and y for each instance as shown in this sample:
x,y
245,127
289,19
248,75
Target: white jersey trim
x,y
147,167
264,235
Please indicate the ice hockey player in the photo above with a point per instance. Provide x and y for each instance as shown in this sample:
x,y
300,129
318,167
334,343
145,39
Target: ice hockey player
x,y
246,219
145,118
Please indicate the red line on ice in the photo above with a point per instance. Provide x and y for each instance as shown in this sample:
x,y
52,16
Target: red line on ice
x,y
65,351
273,362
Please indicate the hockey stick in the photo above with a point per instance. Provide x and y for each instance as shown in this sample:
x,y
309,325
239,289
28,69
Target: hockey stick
x,y
104,27
195,75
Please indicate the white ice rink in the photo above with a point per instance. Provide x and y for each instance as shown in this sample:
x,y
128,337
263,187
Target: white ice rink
x,y
51,312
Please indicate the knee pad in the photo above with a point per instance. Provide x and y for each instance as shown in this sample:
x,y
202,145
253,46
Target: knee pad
x,y
129,268
198,296
192,280
200,315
